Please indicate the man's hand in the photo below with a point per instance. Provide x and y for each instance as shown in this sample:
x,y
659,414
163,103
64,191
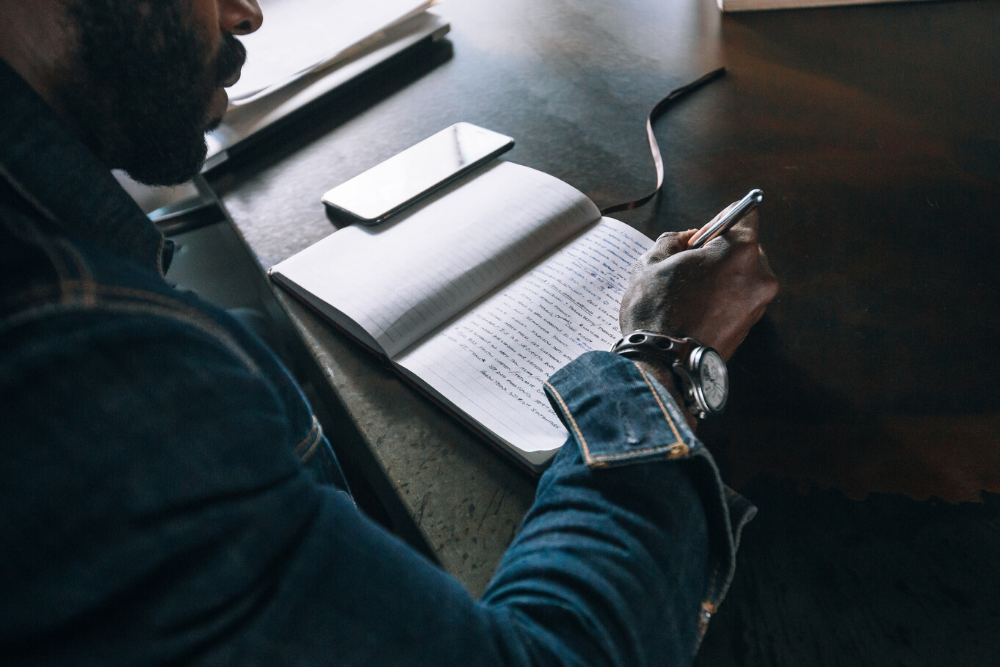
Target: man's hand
x,y
713,294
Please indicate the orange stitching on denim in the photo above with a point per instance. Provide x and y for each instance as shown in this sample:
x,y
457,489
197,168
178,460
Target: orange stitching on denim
x,y
144,294
309,434
118,291
678,444
576,429
708,607
159,257
165,308
310,442
713,582
89,289
213,332
704,616
663,408
165,301
676,449
86,277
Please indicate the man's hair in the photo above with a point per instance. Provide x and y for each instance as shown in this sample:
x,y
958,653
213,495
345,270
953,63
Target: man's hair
x,y
141,83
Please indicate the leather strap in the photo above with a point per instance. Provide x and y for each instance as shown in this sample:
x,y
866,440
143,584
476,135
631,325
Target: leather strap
x,y
654,148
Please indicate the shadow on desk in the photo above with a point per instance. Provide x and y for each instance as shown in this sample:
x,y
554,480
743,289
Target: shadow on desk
x,y
785,423
823,580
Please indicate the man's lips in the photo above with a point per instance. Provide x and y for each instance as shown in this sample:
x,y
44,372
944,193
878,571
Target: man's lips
x,y
220,99
233,78
217,109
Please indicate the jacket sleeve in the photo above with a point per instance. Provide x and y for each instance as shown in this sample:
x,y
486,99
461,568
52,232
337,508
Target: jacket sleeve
x,y
165,519
625,553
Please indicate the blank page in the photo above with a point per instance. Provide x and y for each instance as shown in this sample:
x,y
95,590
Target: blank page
x,y
491,362
403,279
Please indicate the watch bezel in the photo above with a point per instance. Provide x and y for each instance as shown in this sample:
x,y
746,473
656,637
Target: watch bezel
x,y
697,392
685,357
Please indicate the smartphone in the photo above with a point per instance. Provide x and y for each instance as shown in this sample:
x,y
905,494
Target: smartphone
x,y
407,177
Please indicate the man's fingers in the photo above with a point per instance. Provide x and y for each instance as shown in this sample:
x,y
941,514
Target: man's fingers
x,y
670,243
684,238
711,222
746,230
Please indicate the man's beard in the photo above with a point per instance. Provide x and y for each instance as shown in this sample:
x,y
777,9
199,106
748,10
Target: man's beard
x,y
142,83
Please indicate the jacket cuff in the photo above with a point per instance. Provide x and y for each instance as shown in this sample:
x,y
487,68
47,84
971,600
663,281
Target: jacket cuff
x,y
618,415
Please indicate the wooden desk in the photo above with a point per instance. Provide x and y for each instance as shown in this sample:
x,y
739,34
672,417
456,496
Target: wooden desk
x,y
875,135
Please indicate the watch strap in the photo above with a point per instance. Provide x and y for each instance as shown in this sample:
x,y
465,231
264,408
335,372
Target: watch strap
x,y
680,356
651,344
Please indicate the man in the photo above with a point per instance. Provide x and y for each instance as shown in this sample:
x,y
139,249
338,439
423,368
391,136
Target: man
x,y
168,496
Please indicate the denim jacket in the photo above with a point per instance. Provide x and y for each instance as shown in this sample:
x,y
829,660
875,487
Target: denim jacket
x,y
168,496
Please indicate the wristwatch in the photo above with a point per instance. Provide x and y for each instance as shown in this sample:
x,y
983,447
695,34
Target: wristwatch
x,y
701,372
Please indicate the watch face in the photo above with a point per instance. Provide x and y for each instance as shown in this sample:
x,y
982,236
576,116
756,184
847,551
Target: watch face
x,y
714,379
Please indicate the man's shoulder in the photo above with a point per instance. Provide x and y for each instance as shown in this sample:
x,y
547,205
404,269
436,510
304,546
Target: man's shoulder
x,y
96,352
44,267
58,283
86,331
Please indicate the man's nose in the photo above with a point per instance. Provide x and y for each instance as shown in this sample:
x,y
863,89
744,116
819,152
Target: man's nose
x,y
240,17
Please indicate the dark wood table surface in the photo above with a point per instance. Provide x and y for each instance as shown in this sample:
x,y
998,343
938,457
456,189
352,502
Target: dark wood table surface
x,y
864,419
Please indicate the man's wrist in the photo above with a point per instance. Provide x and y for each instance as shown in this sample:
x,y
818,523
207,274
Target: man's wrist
x,y
666,377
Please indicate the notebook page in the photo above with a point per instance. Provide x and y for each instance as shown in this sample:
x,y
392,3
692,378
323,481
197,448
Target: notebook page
x,y
401,280
490,363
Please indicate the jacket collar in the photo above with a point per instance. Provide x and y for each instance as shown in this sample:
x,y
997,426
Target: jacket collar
x,y
51,168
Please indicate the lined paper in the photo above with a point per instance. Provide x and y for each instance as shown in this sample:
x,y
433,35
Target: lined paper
x,y
403,279
491,362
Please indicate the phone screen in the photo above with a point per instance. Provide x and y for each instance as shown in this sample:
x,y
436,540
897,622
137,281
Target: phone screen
x,y
417,170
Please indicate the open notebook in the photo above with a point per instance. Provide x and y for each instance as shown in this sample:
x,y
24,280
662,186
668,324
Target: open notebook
x,y
479,294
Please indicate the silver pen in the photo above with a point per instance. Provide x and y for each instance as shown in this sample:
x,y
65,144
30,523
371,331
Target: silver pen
x,y
722,225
